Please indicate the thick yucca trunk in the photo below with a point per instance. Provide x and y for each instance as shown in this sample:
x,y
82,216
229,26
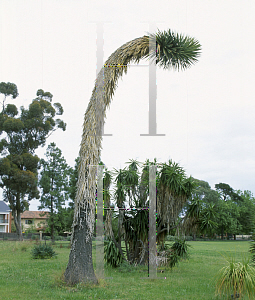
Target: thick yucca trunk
x,y
80,265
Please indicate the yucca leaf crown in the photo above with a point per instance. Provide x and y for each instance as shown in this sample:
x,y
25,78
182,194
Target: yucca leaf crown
x,y
174,50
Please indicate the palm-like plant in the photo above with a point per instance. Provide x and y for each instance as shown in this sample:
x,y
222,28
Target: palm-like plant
x,y
174,189
169,50
207,218
191,220
236,279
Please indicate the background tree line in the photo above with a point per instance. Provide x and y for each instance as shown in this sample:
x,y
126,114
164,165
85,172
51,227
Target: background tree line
x,y
190,206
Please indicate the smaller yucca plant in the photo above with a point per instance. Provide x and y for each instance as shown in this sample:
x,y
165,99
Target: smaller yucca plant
x,y
42,252
235,280
170,256
112,254
180,247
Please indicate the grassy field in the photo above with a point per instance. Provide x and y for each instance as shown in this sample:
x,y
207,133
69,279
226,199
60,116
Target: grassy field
x,y
24,278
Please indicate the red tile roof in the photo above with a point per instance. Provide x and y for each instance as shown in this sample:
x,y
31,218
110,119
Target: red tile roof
x,y
34,215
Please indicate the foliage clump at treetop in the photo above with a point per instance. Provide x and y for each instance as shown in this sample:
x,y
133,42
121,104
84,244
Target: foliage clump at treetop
x,y
22,133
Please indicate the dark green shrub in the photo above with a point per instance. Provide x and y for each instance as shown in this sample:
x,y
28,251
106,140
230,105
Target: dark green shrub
x,y
236,279
42,252
112,254
170,256
173,258
180,247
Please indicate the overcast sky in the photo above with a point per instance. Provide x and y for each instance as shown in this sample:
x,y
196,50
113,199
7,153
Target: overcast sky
x,y
206,112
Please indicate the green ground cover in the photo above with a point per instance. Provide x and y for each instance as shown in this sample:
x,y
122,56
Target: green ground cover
x,y
22,277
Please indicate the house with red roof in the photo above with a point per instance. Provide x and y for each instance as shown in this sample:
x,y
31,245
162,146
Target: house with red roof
x,y
36,220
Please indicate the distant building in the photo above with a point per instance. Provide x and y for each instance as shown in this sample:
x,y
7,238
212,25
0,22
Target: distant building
x,y
5,217
34,219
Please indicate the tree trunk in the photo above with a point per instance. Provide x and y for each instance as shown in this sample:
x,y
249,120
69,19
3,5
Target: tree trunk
x,y
16,216
120,226
17,222
80,265
52,220
51,210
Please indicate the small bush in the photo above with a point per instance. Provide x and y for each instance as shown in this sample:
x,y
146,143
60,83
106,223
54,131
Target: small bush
x,y
236,279
112,254
170,256
42,252
180,247
167,257
173,259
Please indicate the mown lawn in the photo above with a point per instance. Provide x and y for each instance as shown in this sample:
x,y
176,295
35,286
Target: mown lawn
x,y
22,277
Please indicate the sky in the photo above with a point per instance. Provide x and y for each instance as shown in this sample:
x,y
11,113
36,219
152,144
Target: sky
x,y
206,112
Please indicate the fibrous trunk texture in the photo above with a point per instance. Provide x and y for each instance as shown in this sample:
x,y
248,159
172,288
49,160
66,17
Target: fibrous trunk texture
x,y
80,268
80,265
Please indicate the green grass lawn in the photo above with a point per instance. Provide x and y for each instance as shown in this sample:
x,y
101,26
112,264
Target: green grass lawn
x,y
24,278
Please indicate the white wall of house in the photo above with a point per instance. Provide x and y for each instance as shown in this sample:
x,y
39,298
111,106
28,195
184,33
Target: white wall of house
x,y
4,222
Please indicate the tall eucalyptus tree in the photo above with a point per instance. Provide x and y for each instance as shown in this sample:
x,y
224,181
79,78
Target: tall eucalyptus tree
x,y
169,50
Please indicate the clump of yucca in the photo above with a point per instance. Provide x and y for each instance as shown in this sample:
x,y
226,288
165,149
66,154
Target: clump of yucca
x,y
236,279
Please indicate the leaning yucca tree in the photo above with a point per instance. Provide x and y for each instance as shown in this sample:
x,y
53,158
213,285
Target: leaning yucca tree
x,y
168,50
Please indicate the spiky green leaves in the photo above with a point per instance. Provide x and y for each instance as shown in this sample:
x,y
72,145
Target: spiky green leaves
x,y
174,50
